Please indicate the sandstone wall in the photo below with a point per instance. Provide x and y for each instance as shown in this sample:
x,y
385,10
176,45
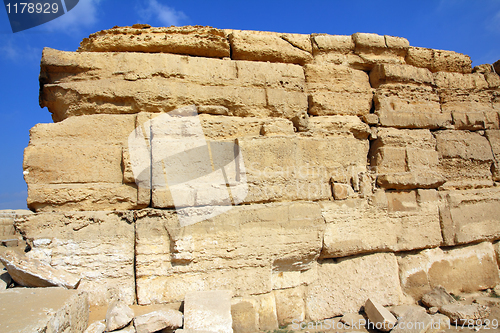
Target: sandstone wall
x,y
370,169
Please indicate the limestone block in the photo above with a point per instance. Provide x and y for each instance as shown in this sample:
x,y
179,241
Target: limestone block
x,y
464,269
338,126
254,313
190,40
208,310
77,164
494,140
373,49
269,46
470,216
344,285
405,159
419,322
341,191
99,246
437,298
466,314
43,310
438,60
406,221
158,320
332,43
260,240
463,92
277,127
124,83
96,327
379,316
414,119
465,159
30,272
118,315
290,305
337,89
390,73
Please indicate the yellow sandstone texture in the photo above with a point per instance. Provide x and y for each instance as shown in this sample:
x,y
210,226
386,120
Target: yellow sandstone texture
x,y
347,168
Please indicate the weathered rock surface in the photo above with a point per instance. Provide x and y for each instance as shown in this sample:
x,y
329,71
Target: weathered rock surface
x,y
261,240
458,270
395,221
96,327
158,320
419,322
189,40
255,313
461,314
438,60
470,216
338,288
208,311
30,272
136,82
437,298
98,246
269,46
118,316
30,310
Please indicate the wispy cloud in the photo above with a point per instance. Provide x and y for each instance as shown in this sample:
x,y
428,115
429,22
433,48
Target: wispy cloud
x,y
18,49
84,15
493,24
164,15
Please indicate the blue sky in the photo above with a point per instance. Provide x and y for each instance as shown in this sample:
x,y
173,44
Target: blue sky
x,y
470,27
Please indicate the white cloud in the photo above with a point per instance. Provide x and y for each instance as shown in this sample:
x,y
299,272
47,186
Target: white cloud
x,y
84,15
494,23
165,15
18,50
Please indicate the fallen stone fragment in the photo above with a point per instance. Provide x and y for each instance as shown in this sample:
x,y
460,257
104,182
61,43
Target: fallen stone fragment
x,y
352,319
496,290
33,273
399,311
158,320
433,310
43,310
441,320
414,321
5,280
465,314
96,327
380,318
437,298
208,311
118,316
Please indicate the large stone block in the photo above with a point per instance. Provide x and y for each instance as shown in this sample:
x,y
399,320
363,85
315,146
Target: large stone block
x,y
397,221
190,40
405,159
344,285
438,60
465,93
270,46
406,98
144,82
465,159
464,269
470,216
254,313
240,250
97,246
337,89
76,164
373,49
209,311
43,310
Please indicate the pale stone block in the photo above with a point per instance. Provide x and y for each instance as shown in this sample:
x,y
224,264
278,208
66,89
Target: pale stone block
x,y
118,316
470,216
265,46
191,40
390,73
43,310
458,270
158,320
438,60
339,288
290,305
98,246
332,43
379,316
208,310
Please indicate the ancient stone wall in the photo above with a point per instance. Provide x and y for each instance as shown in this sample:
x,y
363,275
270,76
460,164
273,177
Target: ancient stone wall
x,y
371,170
